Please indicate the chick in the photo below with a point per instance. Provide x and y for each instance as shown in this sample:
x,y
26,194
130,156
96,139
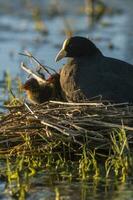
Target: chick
x,y
38,93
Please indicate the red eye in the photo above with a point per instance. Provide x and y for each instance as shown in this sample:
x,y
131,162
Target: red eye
x,y
50,79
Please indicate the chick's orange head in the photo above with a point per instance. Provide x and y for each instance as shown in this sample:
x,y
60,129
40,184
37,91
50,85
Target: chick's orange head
x,y
30,84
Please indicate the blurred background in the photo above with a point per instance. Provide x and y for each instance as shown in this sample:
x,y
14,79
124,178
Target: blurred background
x,y
41,26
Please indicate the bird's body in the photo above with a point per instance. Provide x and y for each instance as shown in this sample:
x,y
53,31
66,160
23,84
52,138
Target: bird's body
x,y
91,74
38,96
54,82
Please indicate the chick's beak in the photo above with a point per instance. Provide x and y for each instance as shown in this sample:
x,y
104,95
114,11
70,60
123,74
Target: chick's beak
x,y
62,53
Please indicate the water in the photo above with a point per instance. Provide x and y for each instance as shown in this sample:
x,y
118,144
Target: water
x,y
86,191
44,187
17,34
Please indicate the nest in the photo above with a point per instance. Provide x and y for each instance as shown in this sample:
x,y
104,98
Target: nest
x,y
74,124
57,125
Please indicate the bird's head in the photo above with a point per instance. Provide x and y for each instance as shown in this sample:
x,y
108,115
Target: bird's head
x,y
77,47
30,85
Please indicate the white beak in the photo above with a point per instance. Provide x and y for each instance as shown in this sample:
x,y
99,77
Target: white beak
x,y
62,53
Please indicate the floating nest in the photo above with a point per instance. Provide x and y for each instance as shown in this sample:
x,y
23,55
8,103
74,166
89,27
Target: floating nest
x,y
55,124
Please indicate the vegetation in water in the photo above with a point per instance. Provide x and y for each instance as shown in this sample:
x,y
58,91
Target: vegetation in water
x,y
67,142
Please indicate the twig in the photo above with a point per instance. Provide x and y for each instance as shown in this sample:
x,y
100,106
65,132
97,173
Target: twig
x,y
110,125
37,61
30,72
77,104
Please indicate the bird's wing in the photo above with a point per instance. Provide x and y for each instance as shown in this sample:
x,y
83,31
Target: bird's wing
x,y
100,76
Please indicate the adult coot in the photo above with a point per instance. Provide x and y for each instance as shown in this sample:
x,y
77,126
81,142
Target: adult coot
x,y
89,73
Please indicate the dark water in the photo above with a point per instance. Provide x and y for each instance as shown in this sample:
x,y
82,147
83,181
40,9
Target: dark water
x,y
113,34
87,191
44,187
83,191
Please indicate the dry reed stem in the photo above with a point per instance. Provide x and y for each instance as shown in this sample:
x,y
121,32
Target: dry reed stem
x,y
30,72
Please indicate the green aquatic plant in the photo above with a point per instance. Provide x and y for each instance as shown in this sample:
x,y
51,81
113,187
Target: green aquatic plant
x,y
8,81
19,172
11,90
88,165
7,85
118,160
54,159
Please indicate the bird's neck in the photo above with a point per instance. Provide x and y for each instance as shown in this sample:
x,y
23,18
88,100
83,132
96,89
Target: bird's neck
x,y
84,58
95,52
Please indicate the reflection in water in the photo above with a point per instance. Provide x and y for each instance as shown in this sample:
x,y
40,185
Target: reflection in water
x,y
25,177
48,186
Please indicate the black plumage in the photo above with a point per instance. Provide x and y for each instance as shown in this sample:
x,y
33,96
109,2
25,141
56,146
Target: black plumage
x,y
89,73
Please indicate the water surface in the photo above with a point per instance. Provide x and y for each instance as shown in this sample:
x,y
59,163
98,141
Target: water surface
x,y
113,34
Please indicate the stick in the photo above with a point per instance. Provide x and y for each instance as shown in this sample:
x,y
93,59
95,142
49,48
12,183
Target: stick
x,y
76,104
30,72
37,61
